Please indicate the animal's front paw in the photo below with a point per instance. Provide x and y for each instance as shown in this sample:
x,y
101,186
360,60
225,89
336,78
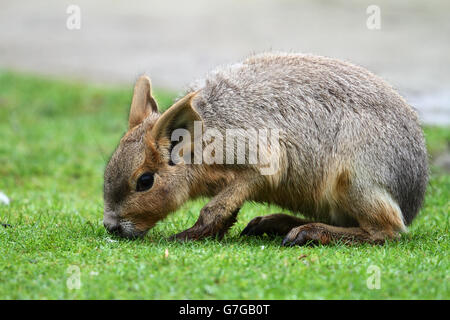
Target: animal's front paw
x,y
185,235
194,233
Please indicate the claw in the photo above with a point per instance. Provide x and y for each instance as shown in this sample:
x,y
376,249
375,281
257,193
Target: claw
x,y
286,243
250,229
182,237
299,239
245,231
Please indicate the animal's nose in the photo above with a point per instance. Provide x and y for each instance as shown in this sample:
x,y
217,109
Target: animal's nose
x,y
113,228
111,222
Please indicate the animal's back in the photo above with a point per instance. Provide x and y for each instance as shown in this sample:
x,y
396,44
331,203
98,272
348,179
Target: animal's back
x,y
338,121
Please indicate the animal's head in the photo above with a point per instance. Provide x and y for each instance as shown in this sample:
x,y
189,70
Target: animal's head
x,y
141,183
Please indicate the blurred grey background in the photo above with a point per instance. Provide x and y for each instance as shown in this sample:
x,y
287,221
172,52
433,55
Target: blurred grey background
x,y
176,42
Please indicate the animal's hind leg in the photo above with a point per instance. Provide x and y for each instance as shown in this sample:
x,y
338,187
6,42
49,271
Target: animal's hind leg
x,y
320,233
379,219
274,224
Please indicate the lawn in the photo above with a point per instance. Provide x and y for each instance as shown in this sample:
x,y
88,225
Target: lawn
x,y
55,139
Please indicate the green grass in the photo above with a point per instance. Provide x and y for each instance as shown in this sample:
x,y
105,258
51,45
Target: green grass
x,y
55,138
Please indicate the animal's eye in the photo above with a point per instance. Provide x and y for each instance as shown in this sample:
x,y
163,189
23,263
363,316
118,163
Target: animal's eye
x,y
145,182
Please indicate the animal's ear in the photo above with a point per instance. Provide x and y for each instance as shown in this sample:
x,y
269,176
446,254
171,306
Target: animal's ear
x,y
180,115
143,102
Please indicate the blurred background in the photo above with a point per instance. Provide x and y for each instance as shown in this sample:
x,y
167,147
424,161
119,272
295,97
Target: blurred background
x,y
176,42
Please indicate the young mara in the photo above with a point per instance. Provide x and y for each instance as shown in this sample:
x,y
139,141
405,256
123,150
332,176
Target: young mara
x,y
349,154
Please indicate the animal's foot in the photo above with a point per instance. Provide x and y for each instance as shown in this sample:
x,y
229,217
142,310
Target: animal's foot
x,y
197,233
188,235
306,234
274,224
259,226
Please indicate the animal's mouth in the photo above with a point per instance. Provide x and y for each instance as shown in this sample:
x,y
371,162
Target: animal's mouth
x,y
128,234
133,235
125,229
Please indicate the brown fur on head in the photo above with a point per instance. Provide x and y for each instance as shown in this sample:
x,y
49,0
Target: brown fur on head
x,y
141,185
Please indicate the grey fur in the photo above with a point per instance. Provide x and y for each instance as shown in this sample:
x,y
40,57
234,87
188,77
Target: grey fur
x,y
327,109
352,153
